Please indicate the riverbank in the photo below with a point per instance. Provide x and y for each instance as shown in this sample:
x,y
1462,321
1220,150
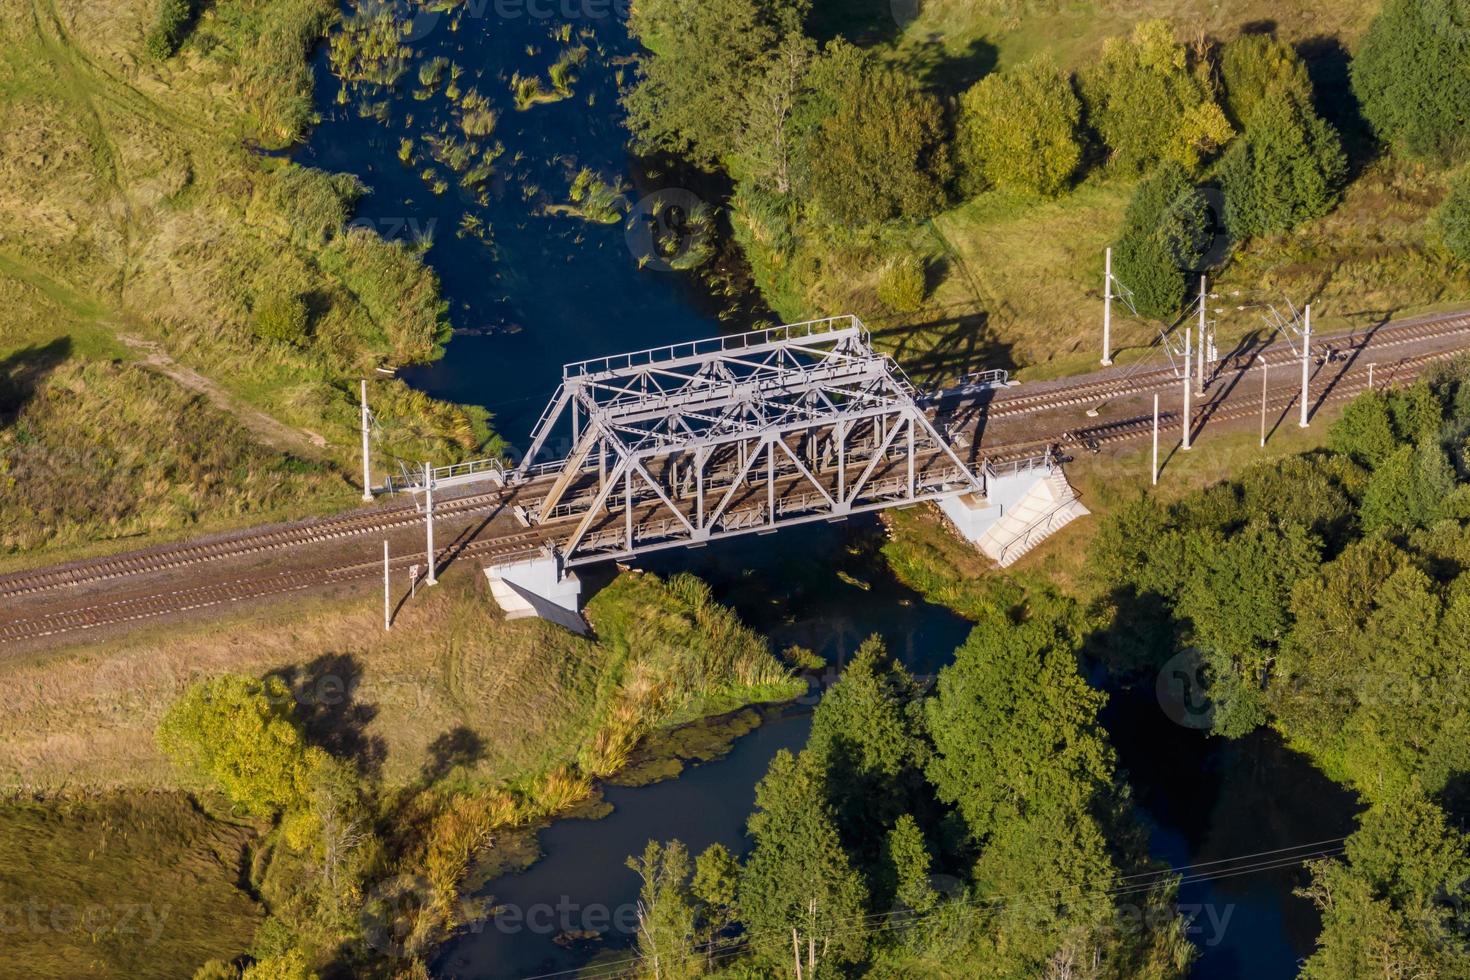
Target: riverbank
x,y
470,704
212,306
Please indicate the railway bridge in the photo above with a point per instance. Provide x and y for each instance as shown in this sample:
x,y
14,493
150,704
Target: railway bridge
x,y
749,433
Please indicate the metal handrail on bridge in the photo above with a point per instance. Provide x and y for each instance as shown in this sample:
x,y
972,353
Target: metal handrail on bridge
x,y
715,345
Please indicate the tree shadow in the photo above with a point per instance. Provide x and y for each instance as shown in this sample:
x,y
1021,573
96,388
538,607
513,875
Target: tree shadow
x,y
963,344
457,747
938,69
863,22
1327,63
23,371
325,692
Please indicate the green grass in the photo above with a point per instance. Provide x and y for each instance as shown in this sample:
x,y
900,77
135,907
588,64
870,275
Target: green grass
x,y
138,885
131,207
1017,281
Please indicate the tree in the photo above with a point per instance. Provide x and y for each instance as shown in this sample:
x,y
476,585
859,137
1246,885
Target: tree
x,y
906,868
1396,908
665,911
1150,101
1412,75
691,92
1254,66
716,888
1289,168
798,875
866,733
871,143
763,148
1014,728
1410,489
240,733
1453,218
1019,128
170,22
1164,233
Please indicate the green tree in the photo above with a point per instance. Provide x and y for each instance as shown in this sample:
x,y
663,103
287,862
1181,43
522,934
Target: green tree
x,y
1164,233
1150,101
1254,66
170,22
1014,728
905,878
1412,75
798,875
716,887
871,144
1453,218
690,95
241,734
1410,489
866,732
1019,128
1395,909
764,144
665,912
1288,168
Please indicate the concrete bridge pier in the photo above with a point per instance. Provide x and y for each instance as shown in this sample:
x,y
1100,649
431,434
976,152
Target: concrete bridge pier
x,y
541,587
1021,507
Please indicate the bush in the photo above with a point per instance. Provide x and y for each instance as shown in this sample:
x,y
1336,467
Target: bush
x,y
1289,167
1149,103
901,284
1019,128
1254,65
1412,76
871,143
170,21
1164,234
1453,218
283,317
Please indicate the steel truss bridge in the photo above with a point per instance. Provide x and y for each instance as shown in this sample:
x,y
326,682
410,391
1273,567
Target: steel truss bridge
x,y
695,442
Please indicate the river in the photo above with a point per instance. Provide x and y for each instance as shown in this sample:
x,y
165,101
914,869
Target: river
x,y
553,288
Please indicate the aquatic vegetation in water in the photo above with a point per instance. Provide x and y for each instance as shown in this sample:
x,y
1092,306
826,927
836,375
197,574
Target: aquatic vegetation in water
x,y
431,72
594,198
476,117
369,49
564,72
405,150
530,90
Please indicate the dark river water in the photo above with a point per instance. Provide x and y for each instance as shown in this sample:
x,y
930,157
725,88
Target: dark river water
x,y
549,288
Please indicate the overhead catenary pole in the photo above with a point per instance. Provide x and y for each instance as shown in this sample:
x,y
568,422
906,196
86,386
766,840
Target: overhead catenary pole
x,y
367,424
1265,371
1370,375
1187,352
1156,439
1200,381
1107,353
1306,366
387,591
433,576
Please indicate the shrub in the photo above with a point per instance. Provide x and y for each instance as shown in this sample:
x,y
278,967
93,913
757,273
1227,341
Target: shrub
x,y
1019,128
1164,233
871,143
1412,76
1149,103
1453,218
283,317
1255,65
170,21
901,283
1290,167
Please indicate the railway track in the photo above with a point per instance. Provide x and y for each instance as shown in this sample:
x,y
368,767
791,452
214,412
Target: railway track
x,y
60,613
1277,355
155,604
170,557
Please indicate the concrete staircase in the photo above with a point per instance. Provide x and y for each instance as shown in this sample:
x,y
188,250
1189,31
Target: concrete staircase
x,y
1048,506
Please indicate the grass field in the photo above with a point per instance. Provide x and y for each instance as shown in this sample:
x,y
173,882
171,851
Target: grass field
x,y
455,699
1018,282
138,225
133,885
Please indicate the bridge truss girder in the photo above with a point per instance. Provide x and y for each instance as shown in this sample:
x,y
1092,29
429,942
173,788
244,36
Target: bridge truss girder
x,y
734,436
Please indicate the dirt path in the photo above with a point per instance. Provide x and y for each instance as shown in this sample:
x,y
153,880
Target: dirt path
x,y
278,435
